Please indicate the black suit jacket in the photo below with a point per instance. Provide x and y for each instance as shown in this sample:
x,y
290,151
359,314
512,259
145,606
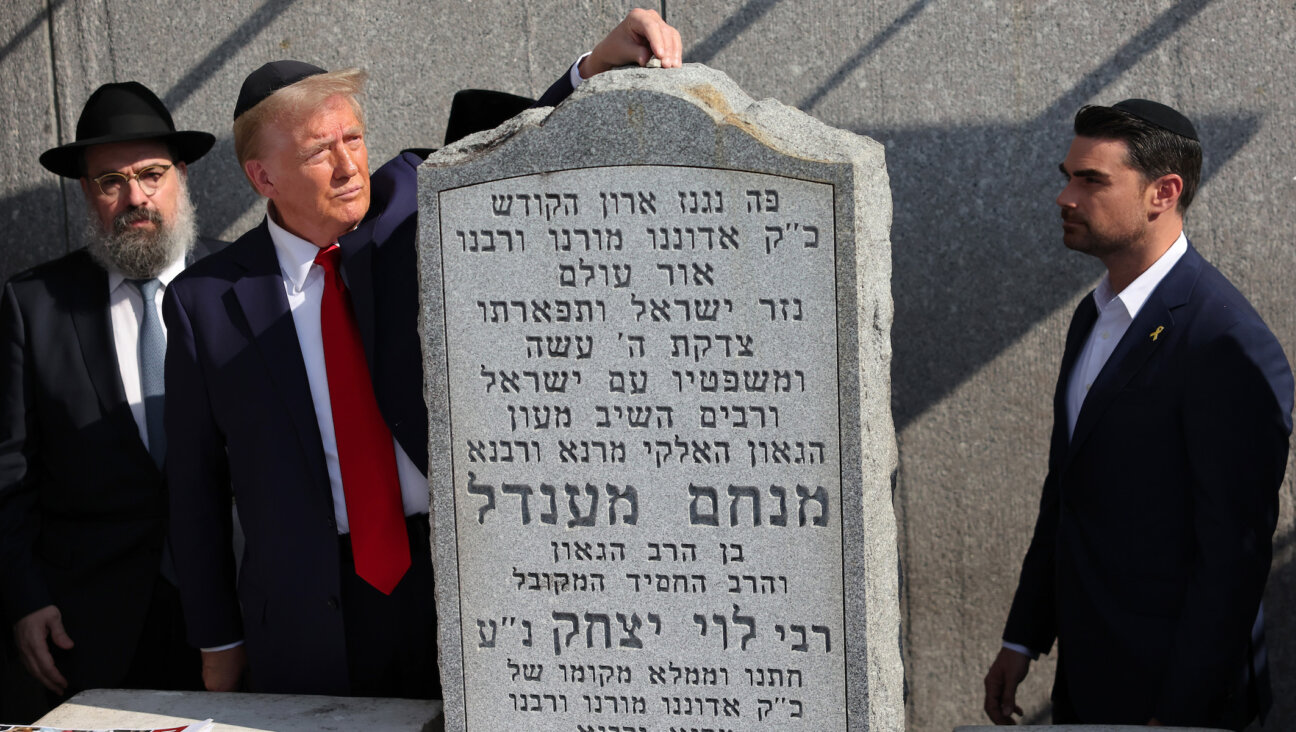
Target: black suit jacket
x,y
82,504
239,414
1153,541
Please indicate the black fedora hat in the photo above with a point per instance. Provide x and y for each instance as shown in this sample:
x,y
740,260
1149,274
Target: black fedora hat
x,y
123,112
474,110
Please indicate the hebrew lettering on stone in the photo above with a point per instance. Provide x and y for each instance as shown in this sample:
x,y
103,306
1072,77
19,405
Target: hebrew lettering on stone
x,y
643,388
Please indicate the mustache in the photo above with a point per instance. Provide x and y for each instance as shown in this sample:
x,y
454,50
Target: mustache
x,y
1071,217
122,221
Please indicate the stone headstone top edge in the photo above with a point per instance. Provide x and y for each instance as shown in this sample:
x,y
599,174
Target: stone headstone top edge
x,y
783,129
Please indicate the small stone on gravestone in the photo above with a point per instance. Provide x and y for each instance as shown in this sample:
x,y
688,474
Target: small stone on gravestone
x,y
656,326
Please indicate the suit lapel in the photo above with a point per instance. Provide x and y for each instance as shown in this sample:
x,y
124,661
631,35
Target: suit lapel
x,y
1151,328
88,309
357,273
1082,322
93,325
261,296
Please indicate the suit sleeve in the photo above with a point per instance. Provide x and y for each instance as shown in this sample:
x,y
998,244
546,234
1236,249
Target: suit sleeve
x,y
557,91
1236,423
199,487
1032,620
22,586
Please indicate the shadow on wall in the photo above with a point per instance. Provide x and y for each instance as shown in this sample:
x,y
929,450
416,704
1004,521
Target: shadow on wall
x,y
981,200
221,53
735,25
37,23
44,230
220,193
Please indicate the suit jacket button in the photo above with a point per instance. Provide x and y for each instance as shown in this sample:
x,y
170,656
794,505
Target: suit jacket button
x,y
333,603
332,522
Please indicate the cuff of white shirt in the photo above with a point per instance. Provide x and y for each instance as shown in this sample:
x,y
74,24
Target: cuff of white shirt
x,y
1034,656
226,647
574,74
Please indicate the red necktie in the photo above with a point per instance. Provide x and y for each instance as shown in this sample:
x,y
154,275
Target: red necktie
x,y
365,450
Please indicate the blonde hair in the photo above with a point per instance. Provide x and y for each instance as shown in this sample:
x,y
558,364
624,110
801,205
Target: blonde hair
x,y
291,104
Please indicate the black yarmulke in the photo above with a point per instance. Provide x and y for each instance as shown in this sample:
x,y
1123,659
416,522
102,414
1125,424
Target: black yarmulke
x,y
1155,113
269,79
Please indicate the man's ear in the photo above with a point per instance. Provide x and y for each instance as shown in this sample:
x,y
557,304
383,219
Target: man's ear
x,y
259,177
86,190
184,169
1164,193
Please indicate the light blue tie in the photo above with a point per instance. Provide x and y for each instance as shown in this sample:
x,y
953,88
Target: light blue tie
x,y
152,361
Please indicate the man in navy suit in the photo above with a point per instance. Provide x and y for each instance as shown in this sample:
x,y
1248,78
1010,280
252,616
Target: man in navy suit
x,y
295,378
1171,422
82,500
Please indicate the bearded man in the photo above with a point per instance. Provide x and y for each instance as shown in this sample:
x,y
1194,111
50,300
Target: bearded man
x,y
85,576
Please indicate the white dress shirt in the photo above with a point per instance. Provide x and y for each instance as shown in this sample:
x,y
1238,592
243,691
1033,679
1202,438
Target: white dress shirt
x,y
126,312
573,74
304,284
1116,311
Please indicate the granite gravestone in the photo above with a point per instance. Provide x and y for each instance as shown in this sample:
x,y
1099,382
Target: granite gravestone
x,y
656,326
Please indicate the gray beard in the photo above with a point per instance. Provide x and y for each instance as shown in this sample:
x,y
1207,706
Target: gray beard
x,y
143,254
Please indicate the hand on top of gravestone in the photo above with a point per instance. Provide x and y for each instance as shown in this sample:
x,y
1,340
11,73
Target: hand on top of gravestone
x,y
643,35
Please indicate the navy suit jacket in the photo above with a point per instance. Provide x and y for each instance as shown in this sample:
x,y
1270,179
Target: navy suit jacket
x,y
82,504
240,415
1154,535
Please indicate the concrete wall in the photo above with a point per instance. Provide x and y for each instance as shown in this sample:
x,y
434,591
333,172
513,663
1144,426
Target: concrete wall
x,y
973,102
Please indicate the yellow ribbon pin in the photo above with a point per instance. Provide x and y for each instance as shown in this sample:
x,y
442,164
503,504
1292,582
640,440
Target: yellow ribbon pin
x,y
1156,332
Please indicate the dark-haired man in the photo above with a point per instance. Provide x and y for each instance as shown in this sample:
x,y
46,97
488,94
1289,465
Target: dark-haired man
x,y
1171,422
295,378
82,499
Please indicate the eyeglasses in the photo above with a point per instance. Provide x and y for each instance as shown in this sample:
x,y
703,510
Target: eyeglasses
x,y
112,184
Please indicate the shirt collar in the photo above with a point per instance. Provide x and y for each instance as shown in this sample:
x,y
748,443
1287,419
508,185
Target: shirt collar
x,y
1137,292
116,278
296,255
